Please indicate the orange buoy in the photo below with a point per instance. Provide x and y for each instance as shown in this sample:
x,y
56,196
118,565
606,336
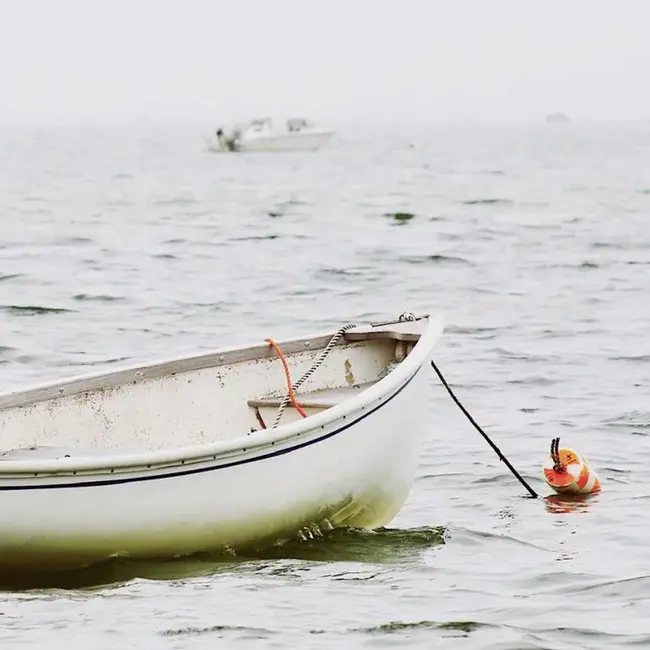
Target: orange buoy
x,y
569,473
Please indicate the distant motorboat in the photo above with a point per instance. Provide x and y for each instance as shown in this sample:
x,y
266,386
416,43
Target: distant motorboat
x,y
262,135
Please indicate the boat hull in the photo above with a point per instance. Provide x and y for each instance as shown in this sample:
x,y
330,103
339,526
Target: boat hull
x,y
355,472
288,142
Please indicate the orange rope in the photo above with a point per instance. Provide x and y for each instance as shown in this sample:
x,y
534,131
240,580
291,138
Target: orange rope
x,y
287,373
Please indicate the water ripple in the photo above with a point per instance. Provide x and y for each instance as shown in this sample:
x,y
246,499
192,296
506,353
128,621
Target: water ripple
x,y
533,243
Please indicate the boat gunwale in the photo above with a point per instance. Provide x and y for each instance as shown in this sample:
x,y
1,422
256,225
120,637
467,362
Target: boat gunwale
x,y
139,372
244,443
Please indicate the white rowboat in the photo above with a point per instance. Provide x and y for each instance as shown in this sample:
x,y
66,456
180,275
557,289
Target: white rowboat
x,y
172,458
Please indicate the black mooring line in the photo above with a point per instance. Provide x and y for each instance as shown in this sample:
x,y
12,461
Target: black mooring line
x,y
532,492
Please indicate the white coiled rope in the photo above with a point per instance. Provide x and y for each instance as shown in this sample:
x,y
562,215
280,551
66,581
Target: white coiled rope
x,y
311,371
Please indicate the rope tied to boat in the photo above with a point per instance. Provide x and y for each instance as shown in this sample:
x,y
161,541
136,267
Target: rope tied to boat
x,y
290,397
466,413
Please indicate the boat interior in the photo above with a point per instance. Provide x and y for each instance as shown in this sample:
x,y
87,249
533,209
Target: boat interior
x,y
200,399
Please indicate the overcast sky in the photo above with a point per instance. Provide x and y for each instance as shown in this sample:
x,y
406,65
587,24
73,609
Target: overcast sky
x,y
340,60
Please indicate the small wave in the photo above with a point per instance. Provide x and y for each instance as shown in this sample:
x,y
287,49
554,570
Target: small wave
x,y
396,627
100,362
32,310
460,329
6,348
13,355
255,238
633,419
479,537
620,245
502,479
67,241
381,546
204,305
643,358
10,276
82,297
298,201
558,334
341,271
219,631
639,497
436,259
525,356
400,216
281,208
532,381
487,202
541,635
614,588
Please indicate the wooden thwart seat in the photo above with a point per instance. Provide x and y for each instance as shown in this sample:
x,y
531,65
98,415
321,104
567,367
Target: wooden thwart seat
x,y
322,399
409,331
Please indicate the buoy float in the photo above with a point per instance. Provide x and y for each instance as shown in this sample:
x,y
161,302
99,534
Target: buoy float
x,y
569,473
